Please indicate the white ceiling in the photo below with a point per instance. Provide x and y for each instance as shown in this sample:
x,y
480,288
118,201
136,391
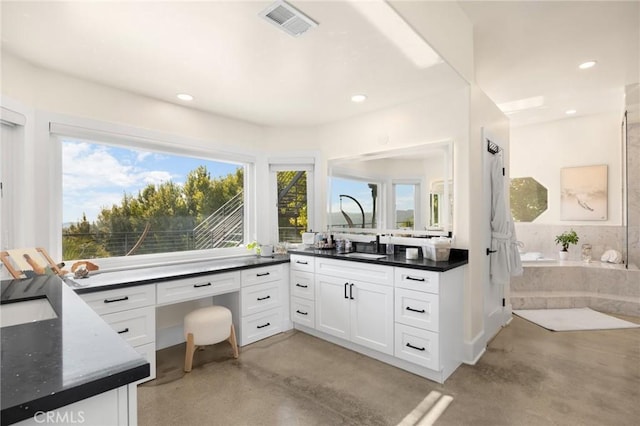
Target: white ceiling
x,y
526,49
233,62
237,65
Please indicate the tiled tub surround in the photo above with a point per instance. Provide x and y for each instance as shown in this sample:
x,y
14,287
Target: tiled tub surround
x,y
541,238
574,284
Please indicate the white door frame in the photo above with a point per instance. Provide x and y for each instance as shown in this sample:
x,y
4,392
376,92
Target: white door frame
x,y
496,314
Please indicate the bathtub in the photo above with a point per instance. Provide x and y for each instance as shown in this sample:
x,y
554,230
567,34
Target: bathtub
x,y
552,284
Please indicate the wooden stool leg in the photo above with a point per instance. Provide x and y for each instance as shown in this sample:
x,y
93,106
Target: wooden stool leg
x,y
232,340
188,356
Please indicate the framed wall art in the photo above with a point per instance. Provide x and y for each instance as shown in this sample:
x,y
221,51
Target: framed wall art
x,y
583,193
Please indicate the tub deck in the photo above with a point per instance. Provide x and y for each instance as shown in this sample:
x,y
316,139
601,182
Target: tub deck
x,y
572,284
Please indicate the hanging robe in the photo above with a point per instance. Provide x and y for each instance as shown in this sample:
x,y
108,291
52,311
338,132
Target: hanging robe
x,y
505,260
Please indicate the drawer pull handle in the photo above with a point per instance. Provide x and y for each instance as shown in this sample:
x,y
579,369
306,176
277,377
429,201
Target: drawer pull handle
x,y
263,326
201,285
263,274
302,313
345,290
264,298
302,262
302,286
415,347
126,330
351,292
420,311
122,299
415,279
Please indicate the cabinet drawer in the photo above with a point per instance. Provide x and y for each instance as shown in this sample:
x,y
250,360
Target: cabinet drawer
x,y
261,297
416,279
148,352
360,271
417,346
302,285
303,312
197,287
302,263
417,309
109,301
136,326
261,325
261,275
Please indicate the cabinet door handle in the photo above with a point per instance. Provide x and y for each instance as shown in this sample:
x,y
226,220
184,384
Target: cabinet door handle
x,y
201,285
415,347
302,286
351,291
302,313
122,299
345,290
264,274
415,279
264,298
420,311
126,330
263,326
302,262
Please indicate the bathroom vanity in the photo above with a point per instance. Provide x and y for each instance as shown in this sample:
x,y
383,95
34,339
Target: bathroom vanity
x,y
407,313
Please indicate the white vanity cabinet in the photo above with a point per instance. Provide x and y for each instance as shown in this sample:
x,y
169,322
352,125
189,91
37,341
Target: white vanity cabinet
x,y
302,290
131,312
263,301
429,319
354,301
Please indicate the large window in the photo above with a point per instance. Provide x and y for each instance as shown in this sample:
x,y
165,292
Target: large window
x,y
120,201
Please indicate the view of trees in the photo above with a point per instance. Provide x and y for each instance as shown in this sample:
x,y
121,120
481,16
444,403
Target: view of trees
x,y
528,199
160,218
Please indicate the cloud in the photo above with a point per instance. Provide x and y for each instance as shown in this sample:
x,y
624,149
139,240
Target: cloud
x,y
94,177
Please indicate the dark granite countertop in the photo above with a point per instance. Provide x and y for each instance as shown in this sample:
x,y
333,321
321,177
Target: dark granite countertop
x,y
457,258
51,363
154,274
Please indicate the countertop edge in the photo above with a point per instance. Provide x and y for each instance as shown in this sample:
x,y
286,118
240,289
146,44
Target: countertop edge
x,y
14,414
397,260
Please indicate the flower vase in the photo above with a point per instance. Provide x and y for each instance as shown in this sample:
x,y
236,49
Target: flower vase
x,y
564,255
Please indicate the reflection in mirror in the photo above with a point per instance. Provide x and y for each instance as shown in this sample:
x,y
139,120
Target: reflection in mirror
x,y
396,190
528,199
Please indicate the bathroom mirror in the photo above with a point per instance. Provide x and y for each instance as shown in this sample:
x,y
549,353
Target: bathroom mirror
x,y
406,190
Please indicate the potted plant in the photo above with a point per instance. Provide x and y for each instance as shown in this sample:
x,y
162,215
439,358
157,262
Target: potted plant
x,y
564,239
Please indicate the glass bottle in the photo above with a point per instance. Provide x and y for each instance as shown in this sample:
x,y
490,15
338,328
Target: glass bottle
x,y
586,253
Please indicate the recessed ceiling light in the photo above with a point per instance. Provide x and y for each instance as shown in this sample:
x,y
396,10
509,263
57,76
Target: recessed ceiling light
x,y
184,97
587,65
570,111
359,98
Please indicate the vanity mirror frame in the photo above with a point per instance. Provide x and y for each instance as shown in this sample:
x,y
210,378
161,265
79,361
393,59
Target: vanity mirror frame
x,y
342,167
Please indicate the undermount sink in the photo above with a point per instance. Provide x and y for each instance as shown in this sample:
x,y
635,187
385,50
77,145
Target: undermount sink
x,y
371,256
26,311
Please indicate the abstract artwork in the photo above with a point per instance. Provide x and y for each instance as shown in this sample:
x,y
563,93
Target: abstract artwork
x,y
583,193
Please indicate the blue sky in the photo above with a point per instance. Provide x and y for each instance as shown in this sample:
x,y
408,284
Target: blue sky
x,y
96,176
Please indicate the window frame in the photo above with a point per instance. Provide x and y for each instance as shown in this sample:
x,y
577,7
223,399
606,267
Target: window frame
x,y
281,164
418,202
140,139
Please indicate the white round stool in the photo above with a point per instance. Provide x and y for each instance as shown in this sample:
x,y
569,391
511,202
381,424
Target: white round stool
x,y
207,326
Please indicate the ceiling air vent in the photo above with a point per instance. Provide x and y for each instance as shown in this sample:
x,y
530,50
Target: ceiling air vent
x,y
288,18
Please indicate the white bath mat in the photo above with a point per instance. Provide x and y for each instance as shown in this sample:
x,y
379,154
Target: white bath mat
x,y
573,319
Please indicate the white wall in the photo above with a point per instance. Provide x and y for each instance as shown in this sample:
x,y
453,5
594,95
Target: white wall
x,y
542,150
484,113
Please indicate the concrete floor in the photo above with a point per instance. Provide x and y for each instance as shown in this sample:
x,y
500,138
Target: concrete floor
x,y
528,376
